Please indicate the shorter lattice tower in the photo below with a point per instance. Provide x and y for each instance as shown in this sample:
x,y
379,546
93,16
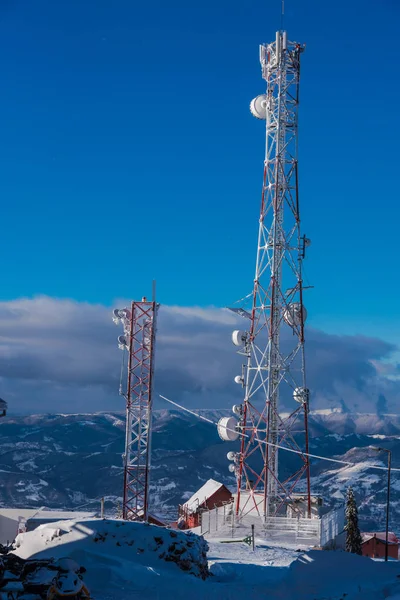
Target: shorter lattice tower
x,y
138,343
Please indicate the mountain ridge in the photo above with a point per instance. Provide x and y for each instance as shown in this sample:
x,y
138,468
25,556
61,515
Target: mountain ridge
x,y
70,461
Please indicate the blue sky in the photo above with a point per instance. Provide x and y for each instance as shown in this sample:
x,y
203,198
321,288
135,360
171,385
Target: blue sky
x,y
128,152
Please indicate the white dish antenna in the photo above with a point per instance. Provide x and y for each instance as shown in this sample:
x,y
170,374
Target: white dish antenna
x,y
126,314
227,429
231,455
258,107
237,409
122,342
120,314
232,468
239,338
292,314
238,379
116,317
301,395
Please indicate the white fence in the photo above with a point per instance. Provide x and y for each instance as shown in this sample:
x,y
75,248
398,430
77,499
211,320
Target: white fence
x,y
217,520
222,522
331,525
301,530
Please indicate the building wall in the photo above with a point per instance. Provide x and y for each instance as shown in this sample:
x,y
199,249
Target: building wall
x,y
222,495
8,530
10,519
192,520
375,548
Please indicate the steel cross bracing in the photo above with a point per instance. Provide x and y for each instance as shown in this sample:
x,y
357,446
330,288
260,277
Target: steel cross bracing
x,y
139,328
275,364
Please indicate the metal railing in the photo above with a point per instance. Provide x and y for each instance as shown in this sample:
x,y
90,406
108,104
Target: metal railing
x,y
216,519
222,522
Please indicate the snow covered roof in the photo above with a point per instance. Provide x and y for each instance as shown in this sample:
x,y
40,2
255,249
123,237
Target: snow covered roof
x,y
151,518
204,493
338,495
392,539
57,515
17,514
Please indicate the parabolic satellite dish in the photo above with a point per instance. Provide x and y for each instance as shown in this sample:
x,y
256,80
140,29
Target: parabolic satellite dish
x,y
239,337
227,429
301,395
292,314
122,342
258,107
121,313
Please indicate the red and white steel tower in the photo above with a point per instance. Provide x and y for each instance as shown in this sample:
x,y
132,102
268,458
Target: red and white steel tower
x,y
273,345
138,341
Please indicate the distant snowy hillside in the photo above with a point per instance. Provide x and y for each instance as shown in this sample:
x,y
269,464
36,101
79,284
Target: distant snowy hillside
x,y
67,461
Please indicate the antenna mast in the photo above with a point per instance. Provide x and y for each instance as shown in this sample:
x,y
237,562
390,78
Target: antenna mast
x,y
139,323
273,346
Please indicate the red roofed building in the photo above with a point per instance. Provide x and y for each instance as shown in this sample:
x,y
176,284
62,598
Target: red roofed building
x,y
374,544
212,494
152,519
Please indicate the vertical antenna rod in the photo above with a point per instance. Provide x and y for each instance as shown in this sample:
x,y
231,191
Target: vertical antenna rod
x,y
139,323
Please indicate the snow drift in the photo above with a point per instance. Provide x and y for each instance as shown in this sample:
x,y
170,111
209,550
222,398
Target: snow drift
x,y
107,541
125,561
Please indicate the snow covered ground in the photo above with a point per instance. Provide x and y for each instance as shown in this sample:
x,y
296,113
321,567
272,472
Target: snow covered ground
x,y
124,561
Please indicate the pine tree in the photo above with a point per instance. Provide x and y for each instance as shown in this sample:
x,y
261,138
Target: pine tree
x,y
353,538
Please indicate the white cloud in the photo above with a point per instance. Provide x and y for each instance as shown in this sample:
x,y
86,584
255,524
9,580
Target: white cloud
x,y
62,356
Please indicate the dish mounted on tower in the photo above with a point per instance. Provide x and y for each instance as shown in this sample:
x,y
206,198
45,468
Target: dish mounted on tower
x,y
138,341
273,372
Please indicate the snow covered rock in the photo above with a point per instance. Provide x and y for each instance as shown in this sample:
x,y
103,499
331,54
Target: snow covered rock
x,y
188,551
139,543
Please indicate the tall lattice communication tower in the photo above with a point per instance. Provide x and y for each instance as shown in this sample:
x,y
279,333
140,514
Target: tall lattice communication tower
x,y
273,373
138,343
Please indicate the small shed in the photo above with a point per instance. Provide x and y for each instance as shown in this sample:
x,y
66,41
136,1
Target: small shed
x,y
19,520
211,495
374,544
44,516
13,521
152,519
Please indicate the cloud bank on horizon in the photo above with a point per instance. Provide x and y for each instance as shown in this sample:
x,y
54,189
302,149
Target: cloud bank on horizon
x,y
62,356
